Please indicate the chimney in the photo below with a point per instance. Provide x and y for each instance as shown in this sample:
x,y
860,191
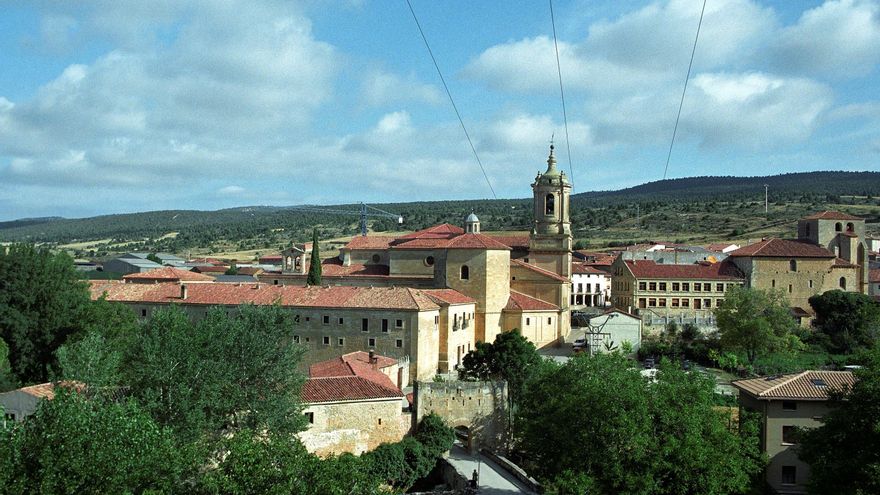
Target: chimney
x,y
183,291
372,357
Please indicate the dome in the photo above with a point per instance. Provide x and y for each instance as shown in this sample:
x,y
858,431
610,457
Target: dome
x,y
552,175
471,218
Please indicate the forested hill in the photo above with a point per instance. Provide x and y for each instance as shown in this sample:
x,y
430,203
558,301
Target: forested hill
x,y
695,208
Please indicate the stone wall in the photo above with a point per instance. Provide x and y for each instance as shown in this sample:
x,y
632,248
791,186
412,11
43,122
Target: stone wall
x,y
354,427
481,407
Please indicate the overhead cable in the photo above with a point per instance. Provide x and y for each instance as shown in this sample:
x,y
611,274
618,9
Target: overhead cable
x,y
561,92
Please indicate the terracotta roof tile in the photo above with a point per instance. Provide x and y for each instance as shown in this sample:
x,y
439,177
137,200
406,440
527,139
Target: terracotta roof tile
x,y
521,302
587,269
701,271
831,215
538,270
211,269
842,263
874,275
783,248
369,242
402,298
349,377
47,390
448,296
167,274
520,242
442,231
333,267
807,385
461,241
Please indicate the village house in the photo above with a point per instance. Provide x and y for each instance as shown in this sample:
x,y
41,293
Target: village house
x,y
785,404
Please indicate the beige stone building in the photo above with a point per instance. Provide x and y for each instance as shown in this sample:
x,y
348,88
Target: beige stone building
x,y
352,404
785,403
487,269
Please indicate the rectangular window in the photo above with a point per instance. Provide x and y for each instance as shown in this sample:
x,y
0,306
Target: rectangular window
x,y
385,325
341,321
310,417
662,286
811,284
549,321
642,302
652,302
652,286
308,318
308,340
686,286
676,286
789,405
707,287
698,304
340,342
398,323
528,321
143,312
661,302
707,303
326,319
642,285
296,339
789,434
326,340
697,287
436,320
789,475
398,343
365,325
685,303
719,287
675,302
371,342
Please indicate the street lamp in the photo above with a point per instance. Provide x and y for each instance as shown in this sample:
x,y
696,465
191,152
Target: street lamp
x,y
594,331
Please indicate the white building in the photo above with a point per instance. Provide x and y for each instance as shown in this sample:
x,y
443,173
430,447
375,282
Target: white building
x,y
590,286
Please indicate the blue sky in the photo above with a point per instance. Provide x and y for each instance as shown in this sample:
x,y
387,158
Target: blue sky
x,y
114,106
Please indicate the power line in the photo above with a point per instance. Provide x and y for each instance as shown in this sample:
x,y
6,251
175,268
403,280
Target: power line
x,y
561,92
457,114
681,103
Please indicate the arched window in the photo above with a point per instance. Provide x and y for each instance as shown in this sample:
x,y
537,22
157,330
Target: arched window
x,y
843,283
792,265
850,227
838,227
376,258
549,204
465,272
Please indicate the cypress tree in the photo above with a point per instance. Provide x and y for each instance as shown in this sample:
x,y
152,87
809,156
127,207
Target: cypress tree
x,y
315,265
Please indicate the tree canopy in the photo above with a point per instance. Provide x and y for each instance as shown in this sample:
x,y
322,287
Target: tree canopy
x,y
595,425
755,322
511,357
850,321
314,276
844,453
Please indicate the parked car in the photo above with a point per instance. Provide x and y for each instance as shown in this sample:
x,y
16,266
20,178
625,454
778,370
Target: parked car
x,y
579,345
650,363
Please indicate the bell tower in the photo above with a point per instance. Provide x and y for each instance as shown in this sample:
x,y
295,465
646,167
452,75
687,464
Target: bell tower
x,y
550,240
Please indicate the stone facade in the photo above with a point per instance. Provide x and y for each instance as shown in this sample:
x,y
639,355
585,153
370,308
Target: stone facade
x,y
354,426
480,407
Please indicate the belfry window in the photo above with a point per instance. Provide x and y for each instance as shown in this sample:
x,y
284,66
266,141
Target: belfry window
x,y
850,227
549,204
838,227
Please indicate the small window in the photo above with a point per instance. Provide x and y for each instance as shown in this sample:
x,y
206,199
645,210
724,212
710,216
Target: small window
x,y
686,286
549,204
789,475
662,286
789,405
698,287
385,325
685,303
818,382
371,342
326,340
792,265
465,272
790,288
143,312
719,287
789,434
661,302
675,302
275,282
308,340
643,285
642,302
842,283
376,258
398,324
308,318
850,227
436,319
429,261
341,321
365,325
838,227
811,284
707,303
310,417
380,421
652,302
528,321
652,286
340,342
398,343
676,286
296,339
707,287
549,321
326,319
773,283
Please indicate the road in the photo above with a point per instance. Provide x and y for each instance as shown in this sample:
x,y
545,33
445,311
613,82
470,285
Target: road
x,y
492,480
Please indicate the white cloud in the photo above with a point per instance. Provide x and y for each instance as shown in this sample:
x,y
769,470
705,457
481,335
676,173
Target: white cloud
x,y
230,190
382,88
838,38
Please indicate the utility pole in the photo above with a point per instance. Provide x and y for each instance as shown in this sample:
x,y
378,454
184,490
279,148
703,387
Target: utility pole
x,y
766,203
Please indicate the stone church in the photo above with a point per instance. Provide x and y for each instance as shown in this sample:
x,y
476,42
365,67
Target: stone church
x,y
519,282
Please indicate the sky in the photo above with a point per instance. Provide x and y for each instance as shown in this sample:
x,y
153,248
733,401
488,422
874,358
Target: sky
x,y
113,106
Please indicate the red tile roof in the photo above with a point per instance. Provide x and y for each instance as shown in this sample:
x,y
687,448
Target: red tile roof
x,y
807,385
520,242
782,248
271,259
461,241
369,242
535,269
442,231
47,390
448,296
587,269
874,275
350,377
401,298
211,269
333,267
831,215
521,302
167,274
249,270
719,246
842,263
701,271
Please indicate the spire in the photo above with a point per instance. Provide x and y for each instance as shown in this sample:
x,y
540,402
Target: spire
x,y
551,160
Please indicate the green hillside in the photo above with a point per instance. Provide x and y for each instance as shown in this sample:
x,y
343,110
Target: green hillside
x,y
696,209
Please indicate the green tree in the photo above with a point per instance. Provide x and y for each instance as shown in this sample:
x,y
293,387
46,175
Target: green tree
x,y
755,322
74,445
92,361
232,270
844,453
220,374
511,357
314,277
7,379
155,259
849,320
613,431
41,302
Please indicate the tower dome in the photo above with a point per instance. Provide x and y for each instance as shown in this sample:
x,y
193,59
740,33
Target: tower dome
x,y
472,224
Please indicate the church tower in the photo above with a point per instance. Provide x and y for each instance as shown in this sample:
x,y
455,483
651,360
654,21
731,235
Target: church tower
x,y
550,241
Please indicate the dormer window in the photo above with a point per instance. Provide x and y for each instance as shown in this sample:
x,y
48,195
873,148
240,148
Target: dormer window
x,y
549,204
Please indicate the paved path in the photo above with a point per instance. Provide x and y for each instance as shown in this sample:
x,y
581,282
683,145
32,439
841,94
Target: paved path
x,y
493,479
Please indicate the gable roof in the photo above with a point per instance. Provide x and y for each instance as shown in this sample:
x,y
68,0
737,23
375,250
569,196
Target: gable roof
x,y
538,270
369,242
168,274
587,269
701,271
831,215
782,248
521,302
442,231
518,242
448,296
350,377
47,390
460,241
806,385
